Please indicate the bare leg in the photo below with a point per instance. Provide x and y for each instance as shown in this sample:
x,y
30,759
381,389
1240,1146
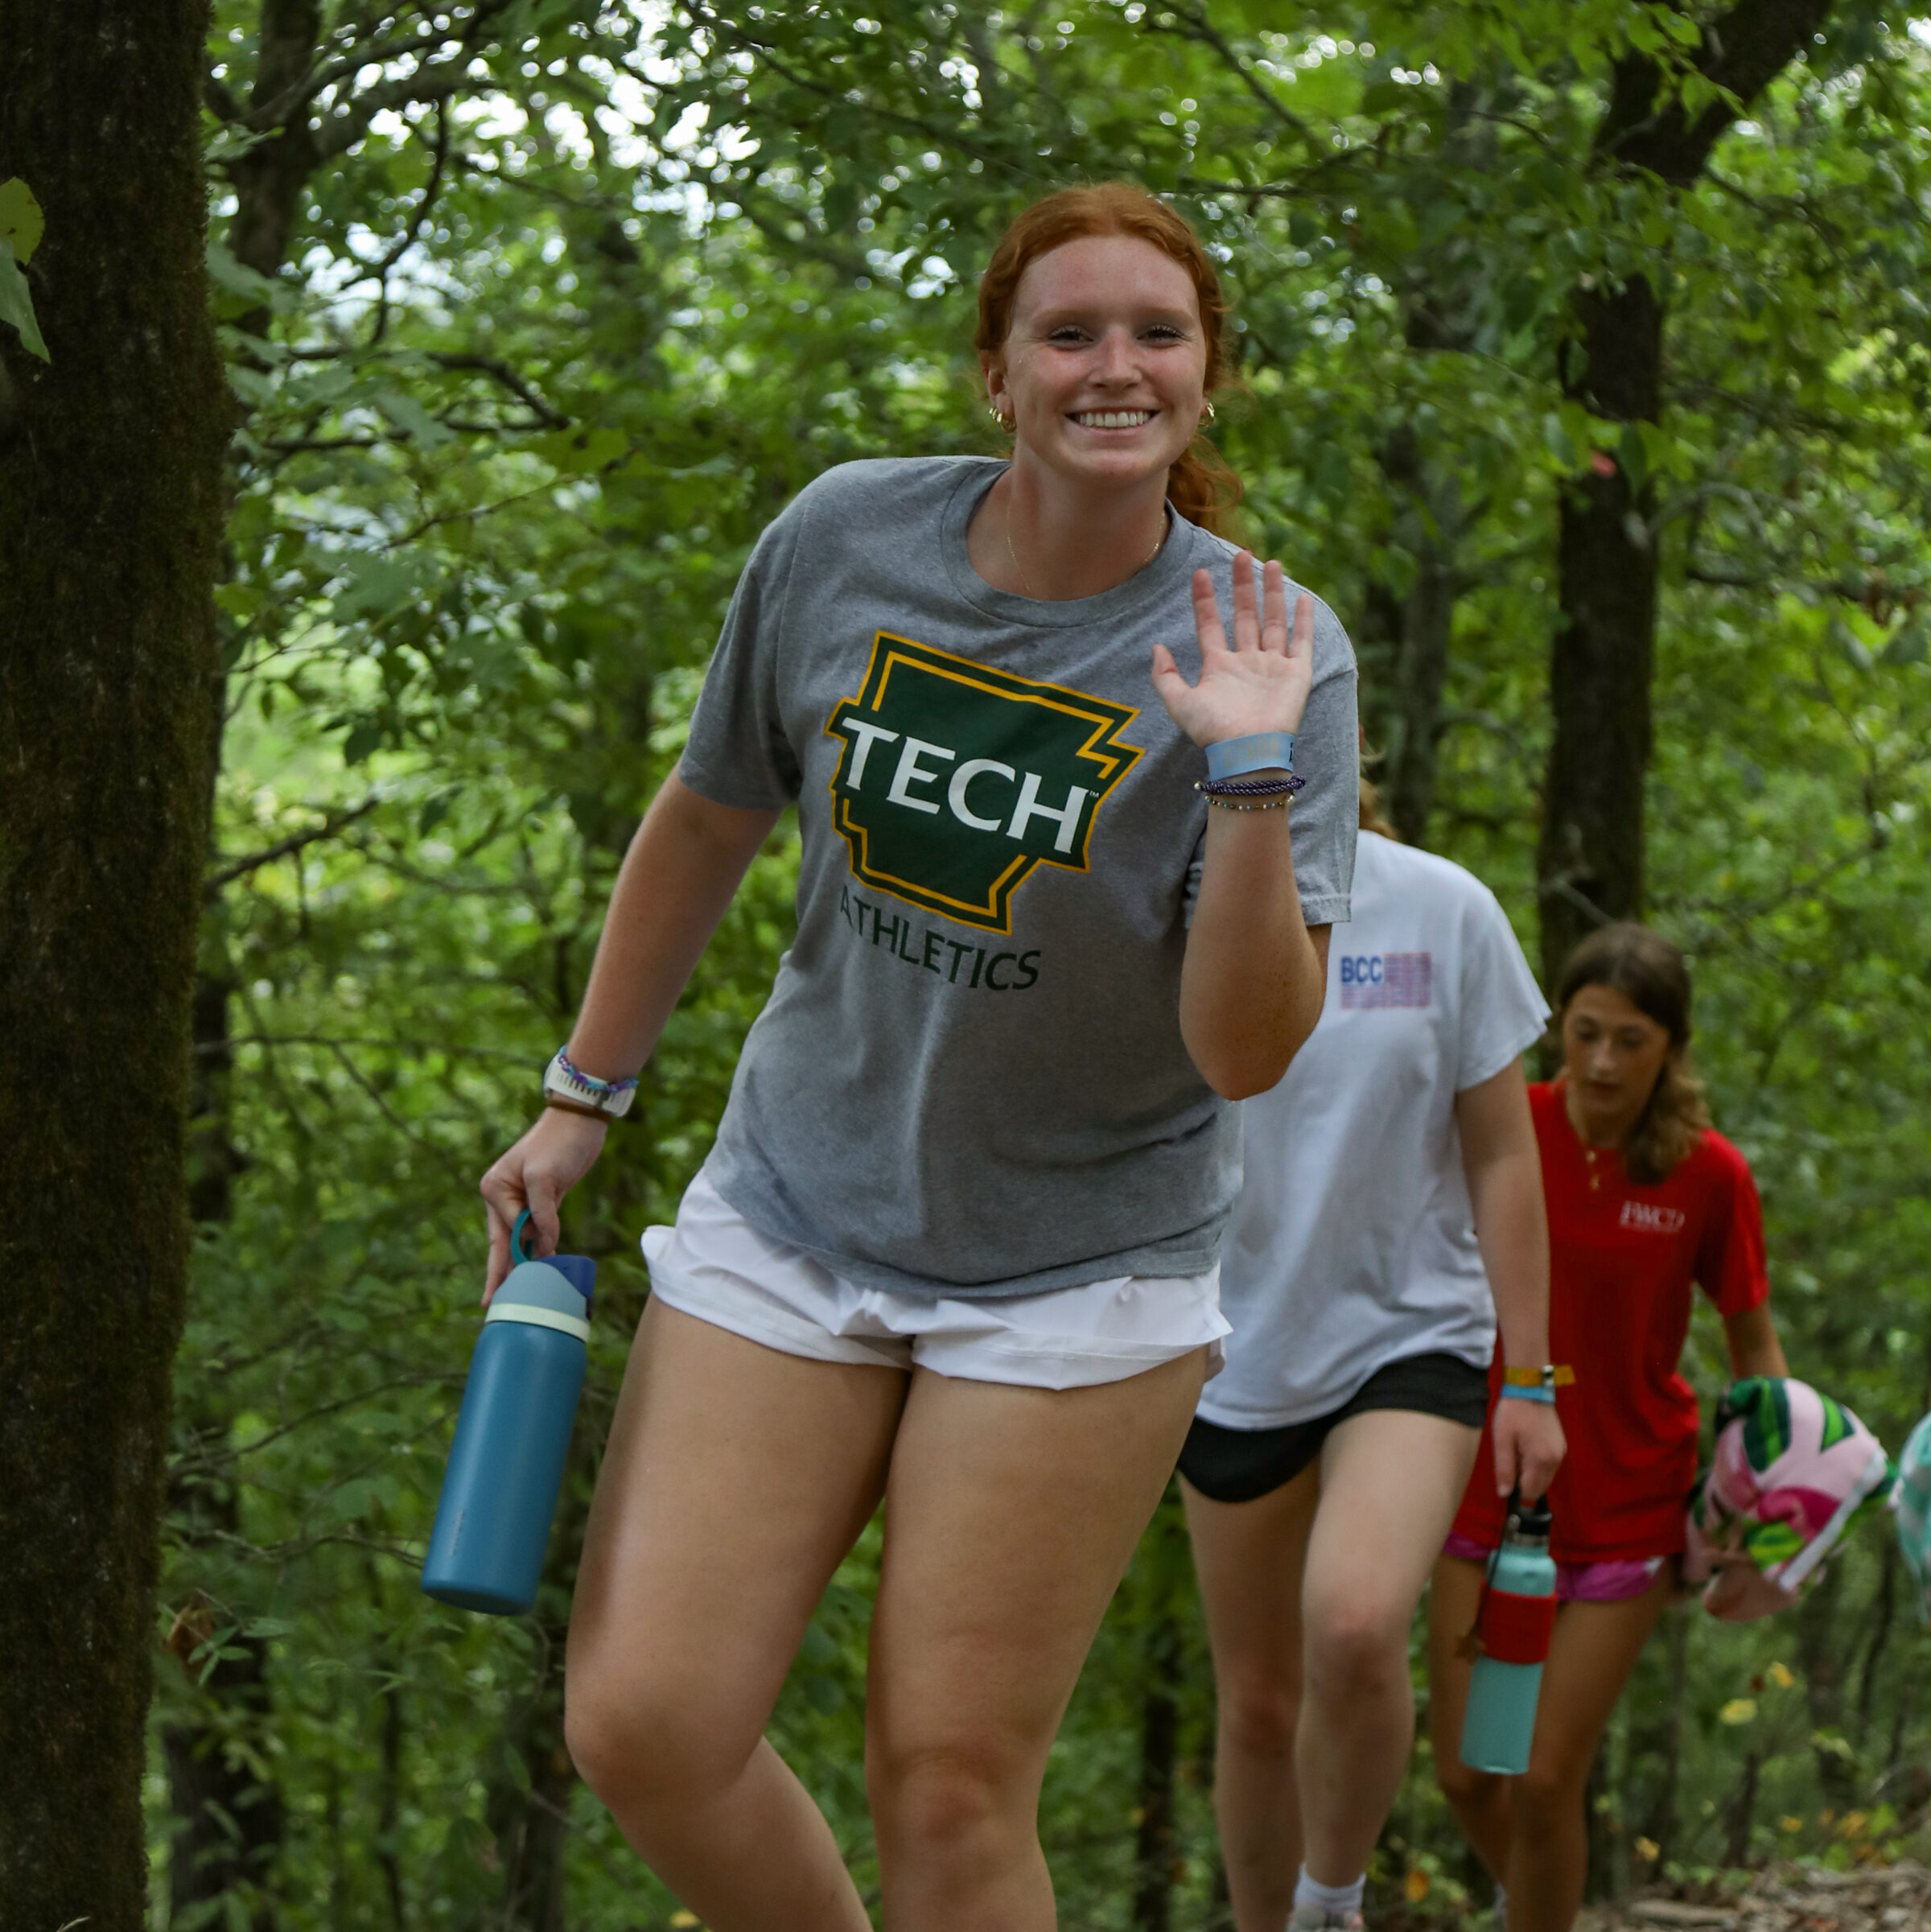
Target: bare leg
x,y
1292,1585
1390,1481
1249,1557
1480,1800
1009,1520
735,1479
1541,1853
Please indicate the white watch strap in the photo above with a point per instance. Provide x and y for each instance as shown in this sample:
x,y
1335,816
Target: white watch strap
x,y
563,1080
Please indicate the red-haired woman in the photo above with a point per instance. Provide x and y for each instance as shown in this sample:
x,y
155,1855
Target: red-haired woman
x,y
956,1248
1646,1201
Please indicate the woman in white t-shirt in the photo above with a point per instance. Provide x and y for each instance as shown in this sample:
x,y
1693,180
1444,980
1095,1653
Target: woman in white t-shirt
x,y
956,1245
1392,1208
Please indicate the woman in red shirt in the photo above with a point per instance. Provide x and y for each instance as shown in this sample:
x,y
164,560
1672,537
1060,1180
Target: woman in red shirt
x,y
1645,1200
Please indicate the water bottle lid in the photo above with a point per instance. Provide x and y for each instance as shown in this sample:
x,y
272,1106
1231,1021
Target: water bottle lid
x,y
579,1270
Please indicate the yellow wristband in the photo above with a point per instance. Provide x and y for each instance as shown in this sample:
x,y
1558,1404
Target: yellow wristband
x,y
1556,1375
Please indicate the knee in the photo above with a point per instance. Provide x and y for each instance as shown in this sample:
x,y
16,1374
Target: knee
x,y
1548,1792
1463,1788
1259,1715
931,1800
645,1745
1356,1648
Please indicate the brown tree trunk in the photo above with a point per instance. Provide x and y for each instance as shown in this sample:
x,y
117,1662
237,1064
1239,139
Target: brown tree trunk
x,y
1429,524
1590,861
110,461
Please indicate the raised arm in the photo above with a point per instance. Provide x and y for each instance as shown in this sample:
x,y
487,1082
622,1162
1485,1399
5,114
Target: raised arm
x,y
1504,1173
1254,980
675,882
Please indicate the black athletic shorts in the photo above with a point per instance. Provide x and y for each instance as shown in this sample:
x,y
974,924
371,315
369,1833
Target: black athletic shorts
x,y
1241,1466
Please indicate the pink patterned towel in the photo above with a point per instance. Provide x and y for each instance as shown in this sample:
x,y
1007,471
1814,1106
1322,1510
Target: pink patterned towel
x,y
1793,1470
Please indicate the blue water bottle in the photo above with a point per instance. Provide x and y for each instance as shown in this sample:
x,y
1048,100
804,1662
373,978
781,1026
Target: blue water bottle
x,y
1512,1627
506,1467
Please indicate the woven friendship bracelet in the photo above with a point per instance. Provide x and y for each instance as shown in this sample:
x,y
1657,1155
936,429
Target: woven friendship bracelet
x,y
1250,788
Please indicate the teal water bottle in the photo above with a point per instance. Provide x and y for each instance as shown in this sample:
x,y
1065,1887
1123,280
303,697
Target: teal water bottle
x,y
512,1435
1513,1627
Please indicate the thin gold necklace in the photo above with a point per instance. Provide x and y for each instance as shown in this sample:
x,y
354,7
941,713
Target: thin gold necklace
x,y
1019,569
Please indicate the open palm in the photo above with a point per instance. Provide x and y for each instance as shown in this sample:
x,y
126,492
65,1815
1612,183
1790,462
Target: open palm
x,y
1260,682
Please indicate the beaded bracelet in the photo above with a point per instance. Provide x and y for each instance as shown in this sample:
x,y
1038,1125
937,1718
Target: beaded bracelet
x,y
1265,805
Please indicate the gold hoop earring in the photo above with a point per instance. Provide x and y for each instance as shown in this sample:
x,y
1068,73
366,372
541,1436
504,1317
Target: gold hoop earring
x,y
1005,422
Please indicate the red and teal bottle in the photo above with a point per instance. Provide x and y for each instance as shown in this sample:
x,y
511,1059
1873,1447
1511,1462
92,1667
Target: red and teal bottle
x,y
1513,1628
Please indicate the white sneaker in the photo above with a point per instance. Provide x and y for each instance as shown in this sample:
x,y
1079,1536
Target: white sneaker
x,y
1312,1918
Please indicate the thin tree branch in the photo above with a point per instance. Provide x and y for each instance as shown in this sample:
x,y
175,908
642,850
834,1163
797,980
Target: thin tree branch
x,y
295,842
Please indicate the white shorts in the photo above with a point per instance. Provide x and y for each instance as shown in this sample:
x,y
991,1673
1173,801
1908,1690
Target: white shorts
x,y
713,1265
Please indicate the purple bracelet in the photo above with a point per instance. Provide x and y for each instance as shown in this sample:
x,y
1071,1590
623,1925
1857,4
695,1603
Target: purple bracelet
x,y
590,1081
1250,788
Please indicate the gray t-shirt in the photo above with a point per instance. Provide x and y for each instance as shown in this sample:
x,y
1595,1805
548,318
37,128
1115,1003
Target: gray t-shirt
x,y
969,1079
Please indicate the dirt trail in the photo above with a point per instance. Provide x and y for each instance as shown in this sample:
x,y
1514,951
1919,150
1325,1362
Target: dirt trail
x,y
1787,1898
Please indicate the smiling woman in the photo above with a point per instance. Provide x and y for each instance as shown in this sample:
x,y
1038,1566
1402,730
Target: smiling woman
x,y
956,1245
1138,329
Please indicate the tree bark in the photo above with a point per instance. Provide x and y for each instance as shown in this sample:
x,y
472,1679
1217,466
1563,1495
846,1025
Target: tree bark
x,y
1591,859
110,461
1430,525
1591,863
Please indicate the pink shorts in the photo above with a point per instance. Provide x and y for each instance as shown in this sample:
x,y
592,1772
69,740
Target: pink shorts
x,y
1614,1582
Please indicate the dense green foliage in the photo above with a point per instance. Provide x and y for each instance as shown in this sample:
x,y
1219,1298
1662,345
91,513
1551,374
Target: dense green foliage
x,y
572,300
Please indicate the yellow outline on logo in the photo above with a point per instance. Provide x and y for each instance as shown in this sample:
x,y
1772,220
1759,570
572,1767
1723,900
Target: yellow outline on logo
x,y
1102,747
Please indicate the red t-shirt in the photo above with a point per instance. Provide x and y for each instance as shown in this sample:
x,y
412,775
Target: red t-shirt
x,y
1622,1259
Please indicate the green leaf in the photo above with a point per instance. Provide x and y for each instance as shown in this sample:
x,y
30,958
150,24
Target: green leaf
x,y
21,220
17,302
578,452
414,421
1909,644
826,1694
237,279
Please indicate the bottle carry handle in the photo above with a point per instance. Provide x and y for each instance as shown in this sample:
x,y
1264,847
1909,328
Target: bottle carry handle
x,y
517,1251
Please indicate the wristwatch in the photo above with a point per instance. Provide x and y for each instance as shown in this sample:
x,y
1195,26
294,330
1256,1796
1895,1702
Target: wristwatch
x,y
569,1087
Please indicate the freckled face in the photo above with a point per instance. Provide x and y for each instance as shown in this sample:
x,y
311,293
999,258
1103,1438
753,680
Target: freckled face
x,y
1613,1053
1105,369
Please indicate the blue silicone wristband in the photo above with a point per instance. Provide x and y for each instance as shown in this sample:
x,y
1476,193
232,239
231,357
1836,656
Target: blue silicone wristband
x,y
1523,1393
1257,752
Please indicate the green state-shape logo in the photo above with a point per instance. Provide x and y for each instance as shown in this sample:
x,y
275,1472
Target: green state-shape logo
x,y
957,781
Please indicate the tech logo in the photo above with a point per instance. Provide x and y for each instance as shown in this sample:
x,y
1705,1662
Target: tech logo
x,y
956,780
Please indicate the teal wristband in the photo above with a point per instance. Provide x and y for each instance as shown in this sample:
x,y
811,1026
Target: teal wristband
x,y
1529,1392
1257,752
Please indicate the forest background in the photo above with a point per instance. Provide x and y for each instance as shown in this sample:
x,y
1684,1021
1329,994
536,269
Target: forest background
x,y
535,311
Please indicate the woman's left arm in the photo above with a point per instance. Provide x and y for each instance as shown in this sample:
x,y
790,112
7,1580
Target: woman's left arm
x,y
1754,1348
1255,974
